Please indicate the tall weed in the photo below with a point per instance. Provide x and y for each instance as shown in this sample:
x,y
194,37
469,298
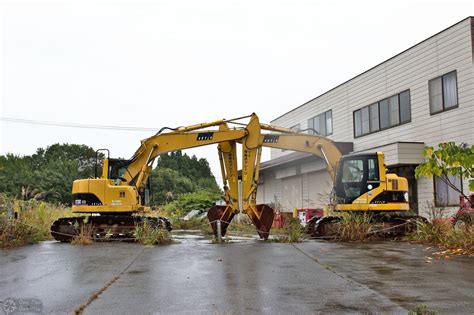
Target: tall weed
x,y
291,232
84,237
355,227
32,225
442,234
147,233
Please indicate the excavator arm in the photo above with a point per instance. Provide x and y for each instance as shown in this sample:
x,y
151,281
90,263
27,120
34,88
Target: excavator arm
x,y
317,145
261,216
138,170
122,188
228,161
281,138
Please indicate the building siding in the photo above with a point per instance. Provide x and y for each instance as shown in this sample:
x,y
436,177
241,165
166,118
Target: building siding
x,y
449,50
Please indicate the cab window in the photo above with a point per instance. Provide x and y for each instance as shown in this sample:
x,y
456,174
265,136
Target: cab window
x,y
353,171
373,171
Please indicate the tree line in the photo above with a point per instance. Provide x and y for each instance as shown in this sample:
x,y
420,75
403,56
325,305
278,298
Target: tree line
x,y
48,174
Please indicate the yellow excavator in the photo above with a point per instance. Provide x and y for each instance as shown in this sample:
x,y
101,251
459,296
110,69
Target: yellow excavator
x,y
360,183
119,198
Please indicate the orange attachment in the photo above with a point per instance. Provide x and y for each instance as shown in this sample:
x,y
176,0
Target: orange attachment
x,y
262,217
223,213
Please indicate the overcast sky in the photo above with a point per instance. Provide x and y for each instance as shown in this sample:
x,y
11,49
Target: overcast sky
x,y
173,63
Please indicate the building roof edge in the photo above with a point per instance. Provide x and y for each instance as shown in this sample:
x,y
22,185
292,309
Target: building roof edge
x,y
339,85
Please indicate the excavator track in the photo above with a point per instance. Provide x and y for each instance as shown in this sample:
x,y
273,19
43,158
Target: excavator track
x,y
324,227
396,224
387,225
103,227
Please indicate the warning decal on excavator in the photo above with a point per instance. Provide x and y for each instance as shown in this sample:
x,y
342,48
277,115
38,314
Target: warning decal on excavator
x,y
271,139
204,136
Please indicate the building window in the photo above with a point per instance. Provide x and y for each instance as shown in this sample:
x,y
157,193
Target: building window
x,y
394,111
321,124
387,113
444,194
384,114
374,117
443,93
405,109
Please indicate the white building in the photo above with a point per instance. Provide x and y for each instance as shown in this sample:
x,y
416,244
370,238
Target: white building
x,y
422,96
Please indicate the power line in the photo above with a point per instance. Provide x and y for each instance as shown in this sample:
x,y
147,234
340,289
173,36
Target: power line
x,y
73,125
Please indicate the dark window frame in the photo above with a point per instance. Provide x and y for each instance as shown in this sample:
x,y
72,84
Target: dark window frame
x,y
325,113
444,109
435,194
379,117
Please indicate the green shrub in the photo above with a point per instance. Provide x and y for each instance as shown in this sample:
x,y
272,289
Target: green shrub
x,y
442,233
148,234
245,226
291,232
354,227
33,223
15,233
421,310
84,237
191,224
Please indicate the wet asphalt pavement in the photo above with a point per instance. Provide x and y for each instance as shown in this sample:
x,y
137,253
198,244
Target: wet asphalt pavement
x,y
245,277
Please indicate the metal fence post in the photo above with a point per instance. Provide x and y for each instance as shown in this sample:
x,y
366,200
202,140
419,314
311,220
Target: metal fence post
x,y
10,210
219,233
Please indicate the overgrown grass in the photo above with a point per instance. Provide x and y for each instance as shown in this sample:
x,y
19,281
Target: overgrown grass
x,y
242,227
32,225
441,233
84,237
147,233
14,233
291,232
422,309
191,224
354,227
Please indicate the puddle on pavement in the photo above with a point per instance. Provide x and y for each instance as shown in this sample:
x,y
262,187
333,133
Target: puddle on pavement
x,y
384,270
191,236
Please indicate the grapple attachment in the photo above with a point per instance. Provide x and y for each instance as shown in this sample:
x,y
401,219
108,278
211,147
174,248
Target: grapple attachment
x,y
262,217
223,213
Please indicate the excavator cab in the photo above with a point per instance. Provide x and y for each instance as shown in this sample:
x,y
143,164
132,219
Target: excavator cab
x,y
362,184
357,175
115,169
